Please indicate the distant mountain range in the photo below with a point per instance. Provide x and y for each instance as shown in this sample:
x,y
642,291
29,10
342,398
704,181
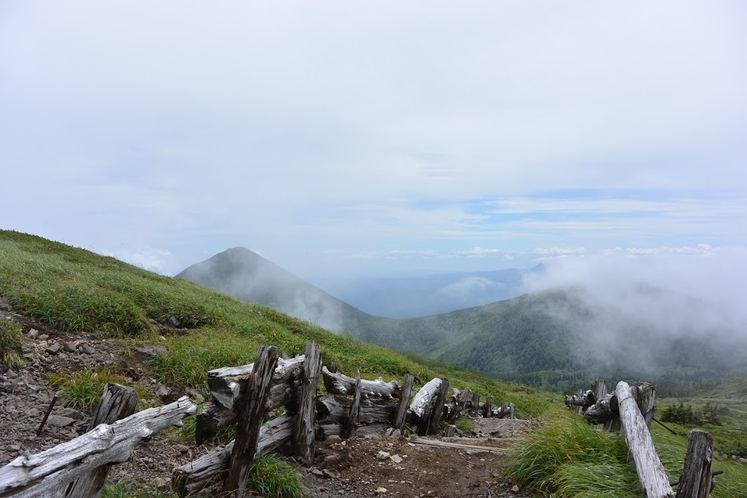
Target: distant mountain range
x,y
556,339
421,295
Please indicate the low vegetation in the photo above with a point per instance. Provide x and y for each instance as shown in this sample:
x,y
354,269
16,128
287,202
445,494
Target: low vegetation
x,y
77,290
11,341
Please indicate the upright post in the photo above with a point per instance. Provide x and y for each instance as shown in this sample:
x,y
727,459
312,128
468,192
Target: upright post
x,y
252,410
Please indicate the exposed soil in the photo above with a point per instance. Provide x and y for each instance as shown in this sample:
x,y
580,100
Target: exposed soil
x,y
348,468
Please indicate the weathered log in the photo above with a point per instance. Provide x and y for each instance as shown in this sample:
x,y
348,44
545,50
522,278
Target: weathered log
x,y
224,382
337,383
487,409
399,417
212,417
211,468
49,472
447,444
696,480
303,433
333,409
434,424
423,400
459,404
422,405
583,399
645,396
351,420
651,474
603,410
116,402
474,408
252,411
449,430
599,389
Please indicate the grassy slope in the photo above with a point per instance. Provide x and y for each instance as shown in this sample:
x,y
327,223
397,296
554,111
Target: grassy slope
x,y
75,289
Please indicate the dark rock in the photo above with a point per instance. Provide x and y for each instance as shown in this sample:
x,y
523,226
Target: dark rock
x,y
71,413
69,347
53,349
86,348
5,304
60,421
164,394
148,355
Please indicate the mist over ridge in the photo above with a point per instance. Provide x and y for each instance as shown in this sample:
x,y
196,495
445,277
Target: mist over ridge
x,y
670,320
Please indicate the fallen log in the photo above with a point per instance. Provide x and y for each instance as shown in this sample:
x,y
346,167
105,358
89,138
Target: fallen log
x,y
423,400
49,472
224,382
651,474
444,444
333,409
212,417
603,410
117,402
337,383
211,468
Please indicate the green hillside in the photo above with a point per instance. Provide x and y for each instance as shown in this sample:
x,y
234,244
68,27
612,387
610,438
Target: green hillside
x,y
74,289
557,341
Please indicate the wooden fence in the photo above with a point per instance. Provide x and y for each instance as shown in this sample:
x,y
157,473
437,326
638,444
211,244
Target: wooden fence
x,y
246,396
631,410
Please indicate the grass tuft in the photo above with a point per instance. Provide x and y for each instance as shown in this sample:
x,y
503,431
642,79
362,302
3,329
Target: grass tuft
x,y
82,390
11,340
272,477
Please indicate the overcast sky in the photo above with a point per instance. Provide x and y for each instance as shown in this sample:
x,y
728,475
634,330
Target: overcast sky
x,y
375,136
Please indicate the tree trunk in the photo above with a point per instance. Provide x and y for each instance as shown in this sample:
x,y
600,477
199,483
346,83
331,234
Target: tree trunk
x,y
117,402
252,410
651,474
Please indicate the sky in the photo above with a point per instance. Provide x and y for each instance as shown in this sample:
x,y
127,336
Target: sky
x,y
381,137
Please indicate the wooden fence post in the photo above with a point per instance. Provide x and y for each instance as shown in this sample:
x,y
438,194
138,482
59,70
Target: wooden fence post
x,y
645,396
252,410
117,402
404,400
695,481
438,409
651,473
488,408
350,423
460,403
475,408
303,434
